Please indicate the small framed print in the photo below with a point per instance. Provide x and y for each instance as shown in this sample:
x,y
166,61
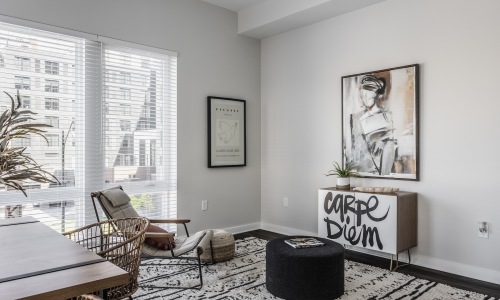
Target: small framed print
x,y
380,122
226,132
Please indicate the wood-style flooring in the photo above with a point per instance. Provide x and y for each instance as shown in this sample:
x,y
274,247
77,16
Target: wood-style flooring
x,y
461,282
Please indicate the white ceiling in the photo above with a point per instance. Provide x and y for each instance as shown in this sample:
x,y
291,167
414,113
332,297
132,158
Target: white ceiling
x,y
235,5
265,18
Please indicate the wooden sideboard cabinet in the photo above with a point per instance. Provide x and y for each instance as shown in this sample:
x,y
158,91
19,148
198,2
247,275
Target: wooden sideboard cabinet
x,y
384,222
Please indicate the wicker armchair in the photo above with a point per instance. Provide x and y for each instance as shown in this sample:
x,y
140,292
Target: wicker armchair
x,y
119,241
89,297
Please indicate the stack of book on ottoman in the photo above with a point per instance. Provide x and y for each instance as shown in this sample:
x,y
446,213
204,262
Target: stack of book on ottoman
x,y
304,242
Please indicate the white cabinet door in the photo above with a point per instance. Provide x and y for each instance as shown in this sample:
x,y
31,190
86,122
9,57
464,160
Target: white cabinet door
x,y
358,219
376,222
335,214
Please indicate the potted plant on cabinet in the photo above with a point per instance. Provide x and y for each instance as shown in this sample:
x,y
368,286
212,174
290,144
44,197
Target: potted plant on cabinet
x,y
16,167
343,174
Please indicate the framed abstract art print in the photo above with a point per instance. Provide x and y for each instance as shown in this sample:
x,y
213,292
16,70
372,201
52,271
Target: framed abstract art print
x,y
380,126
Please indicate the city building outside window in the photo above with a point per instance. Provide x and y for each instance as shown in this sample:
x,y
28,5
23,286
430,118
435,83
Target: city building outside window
x,y
126,143
26,101
22,82
126,77
125,109
51,67
52,103
124,125
53,140
53,121
22,142
125,94
23,63
51,85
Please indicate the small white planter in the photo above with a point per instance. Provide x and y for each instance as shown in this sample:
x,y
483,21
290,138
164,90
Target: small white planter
x,y
343,182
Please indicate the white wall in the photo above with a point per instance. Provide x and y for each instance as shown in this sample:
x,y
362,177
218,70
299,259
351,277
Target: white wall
x,y
213,60
457,46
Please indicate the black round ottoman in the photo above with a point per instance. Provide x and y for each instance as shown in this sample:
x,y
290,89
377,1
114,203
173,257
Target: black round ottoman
x,y
305,273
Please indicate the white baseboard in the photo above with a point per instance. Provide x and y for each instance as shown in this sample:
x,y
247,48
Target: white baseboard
x,y
440,265
465,270
286,230
470,271
243,228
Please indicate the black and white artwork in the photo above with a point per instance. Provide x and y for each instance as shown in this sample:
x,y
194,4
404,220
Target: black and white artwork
x,y
380,122
226,132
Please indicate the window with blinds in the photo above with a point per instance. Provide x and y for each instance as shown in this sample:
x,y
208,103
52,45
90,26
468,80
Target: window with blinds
x,y
139,136
113,115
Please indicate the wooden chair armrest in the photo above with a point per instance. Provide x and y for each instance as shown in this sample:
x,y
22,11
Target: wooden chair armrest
x,y
177,221
160,235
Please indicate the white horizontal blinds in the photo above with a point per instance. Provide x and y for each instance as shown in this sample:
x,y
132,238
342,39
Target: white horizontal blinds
x,y
113,111
48,69
139,131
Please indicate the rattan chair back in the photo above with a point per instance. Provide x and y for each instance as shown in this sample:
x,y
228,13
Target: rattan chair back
x,y
119,241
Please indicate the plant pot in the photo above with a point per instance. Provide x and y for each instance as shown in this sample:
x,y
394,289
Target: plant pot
x,y
343,183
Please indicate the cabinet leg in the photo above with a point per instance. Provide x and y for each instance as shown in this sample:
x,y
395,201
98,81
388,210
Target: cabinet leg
x,y
397,261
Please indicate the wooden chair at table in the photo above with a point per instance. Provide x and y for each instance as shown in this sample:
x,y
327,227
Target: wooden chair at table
x,y
116,204
119,241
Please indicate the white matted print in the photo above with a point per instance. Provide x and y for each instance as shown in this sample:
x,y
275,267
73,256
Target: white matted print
x,y
226,132
380,122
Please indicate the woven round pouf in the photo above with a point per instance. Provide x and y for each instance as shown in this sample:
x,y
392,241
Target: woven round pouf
x,y
223,246
307,273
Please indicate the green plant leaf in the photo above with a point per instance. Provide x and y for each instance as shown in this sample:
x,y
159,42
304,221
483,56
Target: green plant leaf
x,y
16,167
18,100
347,171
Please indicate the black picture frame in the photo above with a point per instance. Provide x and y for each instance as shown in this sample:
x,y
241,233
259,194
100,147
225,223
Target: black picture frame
x,y
226,132
380,123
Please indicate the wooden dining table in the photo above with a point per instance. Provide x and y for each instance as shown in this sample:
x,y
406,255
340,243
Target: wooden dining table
x,y
37,262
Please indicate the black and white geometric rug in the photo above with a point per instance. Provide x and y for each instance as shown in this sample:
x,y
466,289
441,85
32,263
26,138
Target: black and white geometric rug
x,y
244,277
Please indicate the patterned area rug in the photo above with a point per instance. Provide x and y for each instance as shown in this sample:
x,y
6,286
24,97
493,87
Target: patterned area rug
x,y
244,278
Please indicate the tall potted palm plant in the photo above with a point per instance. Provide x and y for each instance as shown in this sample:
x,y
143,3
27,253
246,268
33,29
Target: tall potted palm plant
x,y
16,167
